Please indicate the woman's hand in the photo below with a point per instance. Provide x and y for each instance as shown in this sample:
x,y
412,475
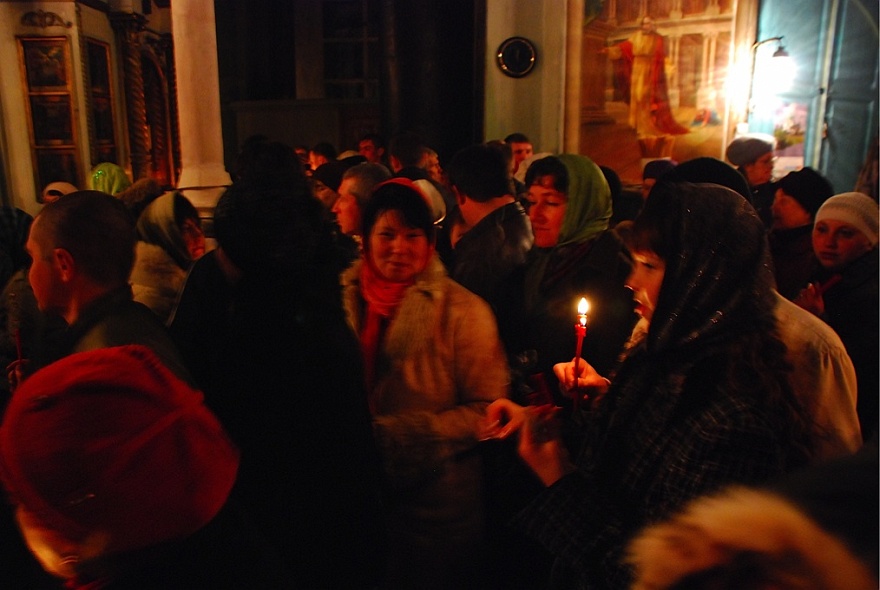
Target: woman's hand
x,y
539,443
586,381
541,447
503,418
810,298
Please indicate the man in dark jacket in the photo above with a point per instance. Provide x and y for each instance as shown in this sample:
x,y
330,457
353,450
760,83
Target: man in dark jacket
x,y
82,251
497,232
82,248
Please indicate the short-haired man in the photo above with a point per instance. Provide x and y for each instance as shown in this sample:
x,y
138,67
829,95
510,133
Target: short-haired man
x,y
82,251
499,233
521,147
407,155
354,192
405,151
372,147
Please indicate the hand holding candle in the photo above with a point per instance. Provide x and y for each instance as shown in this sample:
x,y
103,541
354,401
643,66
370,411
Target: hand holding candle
x,y
580,330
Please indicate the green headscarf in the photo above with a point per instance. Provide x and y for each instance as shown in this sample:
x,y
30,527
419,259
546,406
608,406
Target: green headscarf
x,y
589,200
108,178
586,216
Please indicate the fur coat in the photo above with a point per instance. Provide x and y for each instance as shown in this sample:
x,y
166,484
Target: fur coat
x,y
156,279
816,528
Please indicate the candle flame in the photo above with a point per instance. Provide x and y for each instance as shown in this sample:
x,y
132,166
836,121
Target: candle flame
x,y
583,306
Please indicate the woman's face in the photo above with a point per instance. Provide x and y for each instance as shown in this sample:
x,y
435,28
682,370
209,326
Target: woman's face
x,y
787,212
194,238
546,211
837,243
645,281
761,170
398,251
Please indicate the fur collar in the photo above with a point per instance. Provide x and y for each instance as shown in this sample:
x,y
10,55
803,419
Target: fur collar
x,y
154,266
740,522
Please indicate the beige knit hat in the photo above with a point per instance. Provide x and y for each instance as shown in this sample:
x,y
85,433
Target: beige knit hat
x,y
856,209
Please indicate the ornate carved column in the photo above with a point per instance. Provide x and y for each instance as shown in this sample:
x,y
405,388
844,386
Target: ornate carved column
x,y
128,27
167,45
203,176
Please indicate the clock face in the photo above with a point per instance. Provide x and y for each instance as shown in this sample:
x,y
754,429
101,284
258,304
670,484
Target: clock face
x,y
516,57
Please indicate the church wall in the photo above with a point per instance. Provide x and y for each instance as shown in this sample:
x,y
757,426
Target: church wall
x,y
534,104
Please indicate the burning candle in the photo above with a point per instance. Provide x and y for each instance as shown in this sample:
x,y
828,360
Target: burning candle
x,y
580,330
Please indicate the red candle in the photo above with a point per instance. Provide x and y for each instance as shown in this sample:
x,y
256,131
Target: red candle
x,y
580,330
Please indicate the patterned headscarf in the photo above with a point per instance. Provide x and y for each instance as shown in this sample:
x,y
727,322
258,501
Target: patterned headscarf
x,y
718,275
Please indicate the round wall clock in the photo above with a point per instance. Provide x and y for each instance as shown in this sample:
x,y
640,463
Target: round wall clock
x,y
516,57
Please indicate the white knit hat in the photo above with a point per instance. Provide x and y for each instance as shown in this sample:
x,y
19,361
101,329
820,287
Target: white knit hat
x,y
856,209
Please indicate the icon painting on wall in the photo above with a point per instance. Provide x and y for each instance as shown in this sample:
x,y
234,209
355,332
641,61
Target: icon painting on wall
x,y
655,82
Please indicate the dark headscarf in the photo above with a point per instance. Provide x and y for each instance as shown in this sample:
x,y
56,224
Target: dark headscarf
x,y
272,228
718,277
706,169
715,305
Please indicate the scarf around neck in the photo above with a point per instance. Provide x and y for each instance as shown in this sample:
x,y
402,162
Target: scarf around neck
x,y
383,298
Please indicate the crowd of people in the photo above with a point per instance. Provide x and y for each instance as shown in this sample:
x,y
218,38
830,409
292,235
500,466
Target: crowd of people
x,y
377,376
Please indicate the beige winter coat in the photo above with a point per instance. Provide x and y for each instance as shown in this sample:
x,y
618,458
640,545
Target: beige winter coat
x,y
442,363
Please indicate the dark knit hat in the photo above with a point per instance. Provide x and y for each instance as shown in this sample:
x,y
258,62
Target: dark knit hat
x,y
109,441
706,169
657,168
330,174
268,224
748,148
807,187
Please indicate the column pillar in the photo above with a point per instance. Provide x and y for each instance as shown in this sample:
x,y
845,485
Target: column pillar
x,y
673,51
612,13
573,60
128,27
706,94
203,176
